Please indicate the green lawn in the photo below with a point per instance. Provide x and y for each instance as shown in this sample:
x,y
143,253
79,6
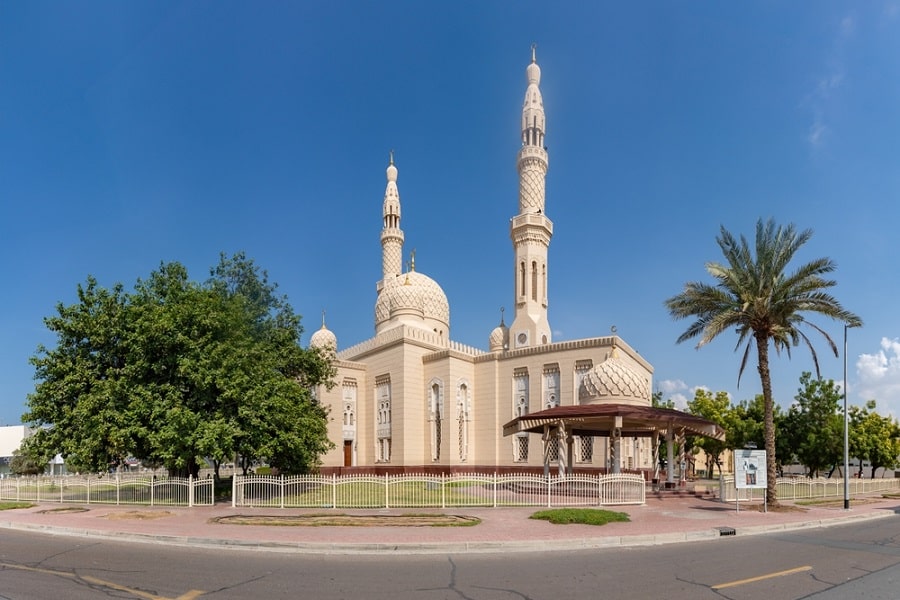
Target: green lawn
x,y
583,516
10,505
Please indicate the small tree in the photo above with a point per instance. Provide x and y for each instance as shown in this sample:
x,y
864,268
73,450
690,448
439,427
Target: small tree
x,y
816,427
873,438
22,463
713,408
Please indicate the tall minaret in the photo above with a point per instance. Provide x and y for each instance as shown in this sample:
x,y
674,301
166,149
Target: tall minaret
x,y
531,230
391,234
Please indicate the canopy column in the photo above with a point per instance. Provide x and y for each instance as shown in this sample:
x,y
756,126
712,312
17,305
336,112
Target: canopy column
x,y
655,455
545,446
615,445
670,454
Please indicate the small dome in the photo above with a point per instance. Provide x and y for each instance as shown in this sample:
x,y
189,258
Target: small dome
x,y
614,380
533,73
323,338
413,298
392,171
499,339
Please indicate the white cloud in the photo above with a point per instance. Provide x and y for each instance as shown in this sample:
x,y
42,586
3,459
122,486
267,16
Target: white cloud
x,y
681,393
680,400
819,98
848,26
879,376
669,386
817,131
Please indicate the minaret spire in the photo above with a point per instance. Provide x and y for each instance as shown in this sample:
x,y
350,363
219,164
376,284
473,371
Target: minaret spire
x,y
391,234
531,230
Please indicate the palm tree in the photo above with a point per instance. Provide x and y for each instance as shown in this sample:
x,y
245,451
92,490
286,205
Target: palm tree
x,y
756,297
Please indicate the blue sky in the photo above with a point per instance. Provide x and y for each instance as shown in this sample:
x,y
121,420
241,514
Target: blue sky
x,y
138,132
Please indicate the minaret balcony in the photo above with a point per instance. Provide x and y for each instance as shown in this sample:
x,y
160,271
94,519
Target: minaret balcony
x,y
532,220
528,151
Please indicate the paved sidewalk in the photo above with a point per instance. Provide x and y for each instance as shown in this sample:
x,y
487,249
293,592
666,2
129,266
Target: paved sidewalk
x,y
659,521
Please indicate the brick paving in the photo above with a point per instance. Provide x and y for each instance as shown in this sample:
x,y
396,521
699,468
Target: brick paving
x,y
659,521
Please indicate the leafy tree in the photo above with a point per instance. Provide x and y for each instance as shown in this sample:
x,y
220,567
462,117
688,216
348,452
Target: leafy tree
x,y
755,296
816,428
713,408
873,438
658,402
22,463
80,401
176,372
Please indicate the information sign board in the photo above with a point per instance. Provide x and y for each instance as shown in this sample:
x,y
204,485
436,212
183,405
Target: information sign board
x,y
750,469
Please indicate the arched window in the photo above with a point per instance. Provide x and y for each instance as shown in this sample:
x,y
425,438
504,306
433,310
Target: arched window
x,y
534,281
435,415
522,279
462,420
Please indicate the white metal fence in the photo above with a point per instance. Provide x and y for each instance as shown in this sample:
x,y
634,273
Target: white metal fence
x,y
113,489
804,488
435,491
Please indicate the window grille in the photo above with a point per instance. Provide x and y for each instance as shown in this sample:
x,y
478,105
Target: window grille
x,y
520,448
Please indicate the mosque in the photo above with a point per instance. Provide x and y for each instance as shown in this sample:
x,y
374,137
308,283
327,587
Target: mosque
x,y
412,400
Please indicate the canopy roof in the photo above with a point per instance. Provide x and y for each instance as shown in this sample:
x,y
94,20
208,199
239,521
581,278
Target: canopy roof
x,y
600,419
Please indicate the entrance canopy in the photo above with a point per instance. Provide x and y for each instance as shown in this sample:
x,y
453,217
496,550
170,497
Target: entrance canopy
x,y
603,419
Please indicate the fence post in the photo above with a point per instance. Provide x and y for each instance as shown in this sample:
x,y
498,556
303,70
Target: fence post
x,y
190,489
548,491
152,488
234,477
495,489
387,503
333,490
282,490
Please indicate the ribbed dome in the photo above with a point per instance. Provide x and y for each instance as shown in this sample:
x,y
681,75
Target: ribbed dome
x,y
499,339
413,298
323,338
614,380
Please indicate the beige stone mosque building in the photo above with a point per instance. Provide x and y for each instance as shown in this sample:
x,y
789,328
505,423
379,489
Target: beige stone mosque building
x,y
411,399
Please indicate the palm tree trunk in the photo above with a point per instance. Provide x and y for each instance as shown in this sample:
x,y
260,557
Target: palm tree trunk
x,y
762,351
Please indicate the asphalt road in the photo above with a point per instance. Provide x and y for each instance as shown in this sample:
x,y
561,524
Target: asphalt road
x,y
853,561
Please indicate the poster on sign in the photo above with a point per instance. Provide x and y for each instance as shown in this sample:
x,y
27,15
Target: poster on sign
x,y
750,469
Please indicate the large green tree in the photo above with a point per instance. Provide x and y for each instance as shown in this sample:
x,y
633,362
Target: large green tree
x,y
756,296
177,372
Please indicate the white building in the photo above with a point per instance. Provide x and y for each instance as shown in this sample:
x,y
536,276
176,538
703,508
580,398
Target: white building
x,y
11,438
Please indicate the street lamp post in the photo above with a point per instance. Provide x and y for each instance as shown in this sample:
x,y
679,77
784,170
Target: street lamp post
x,y
846,432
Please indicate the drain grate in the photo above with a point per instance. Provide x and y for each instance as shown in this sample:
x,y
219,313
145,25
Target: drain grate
x,y
726,530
